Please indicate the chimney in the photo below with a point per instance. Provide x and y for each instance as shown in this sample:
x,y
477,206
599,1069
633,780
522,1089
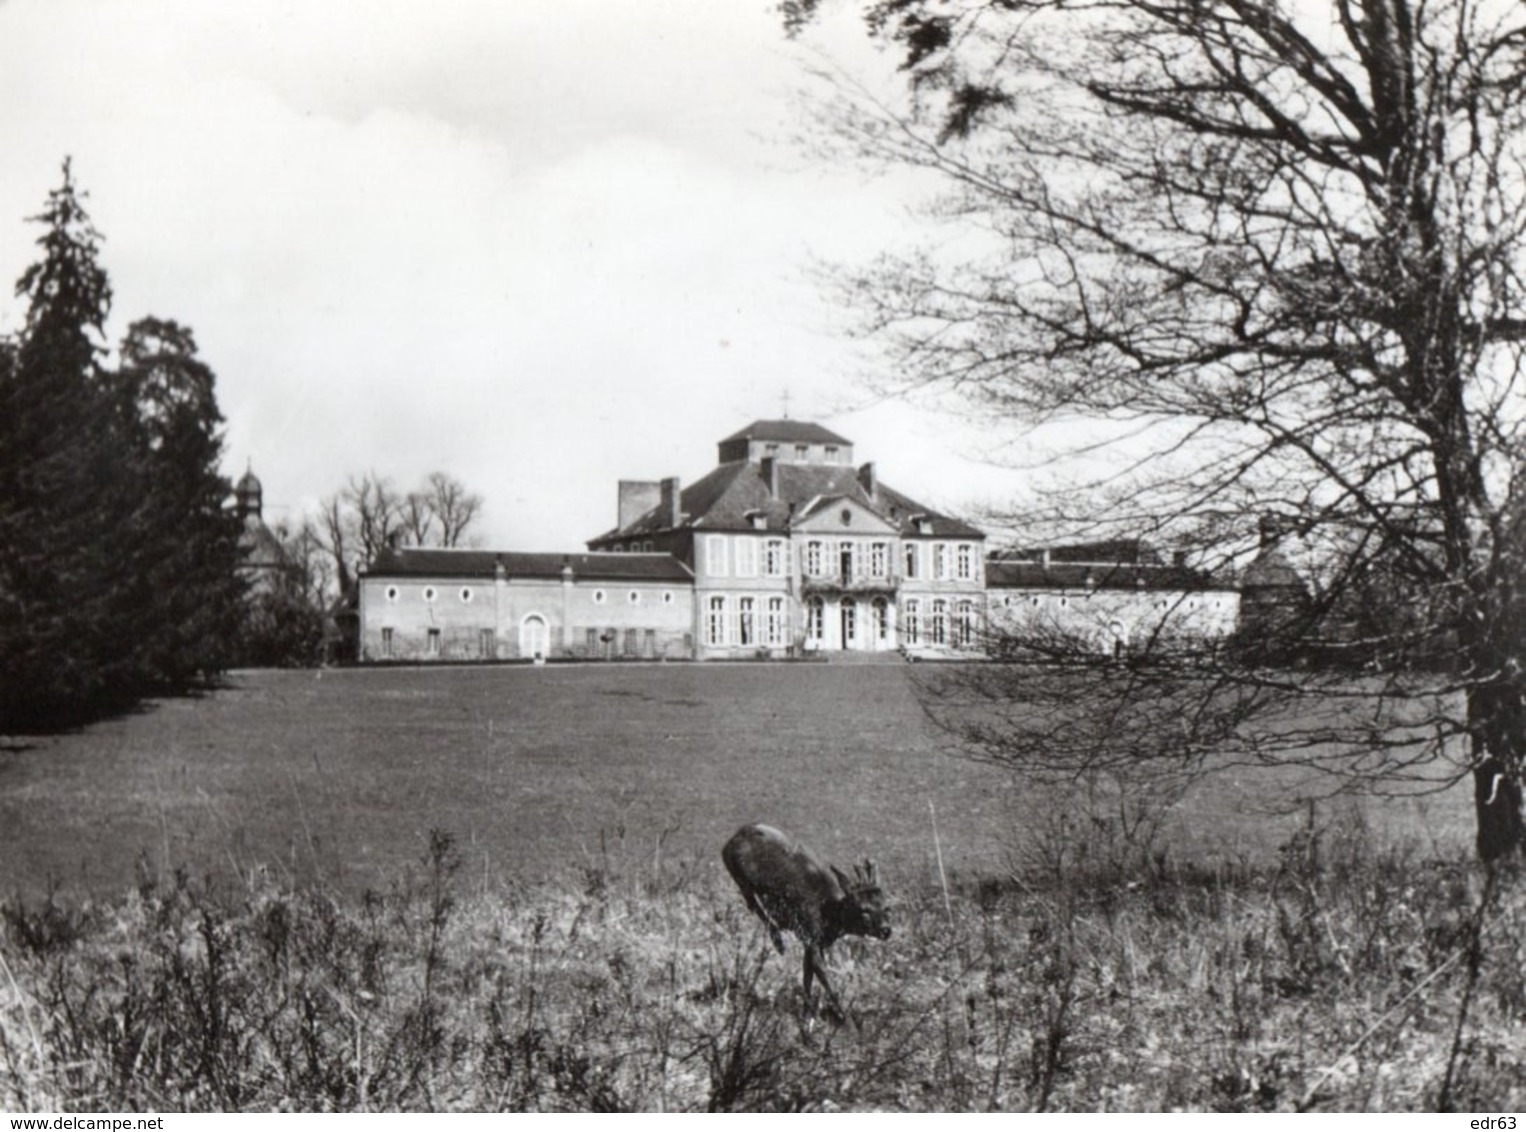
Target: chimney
x,y
1179,559
637,497
771,475
670,514
868,481
1271,529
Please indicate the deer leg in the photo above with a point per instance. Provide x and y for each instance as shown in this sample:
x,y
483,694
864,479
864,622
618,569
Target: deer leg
x,y
768,921
815,966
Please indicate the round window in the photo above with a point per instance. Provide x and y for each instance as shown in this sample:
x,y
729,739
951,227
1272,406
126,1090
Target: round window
x,y
667,598
634,597
466,593
598,597
391,593
429,593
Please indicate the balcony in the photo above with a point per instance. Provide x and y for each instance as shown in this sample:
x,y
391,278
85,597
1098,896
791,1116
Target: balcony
x,y
850,584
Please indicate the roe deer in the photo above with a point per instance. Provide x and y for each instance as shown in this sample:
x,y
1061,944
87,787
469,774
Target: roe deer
x,y
790,890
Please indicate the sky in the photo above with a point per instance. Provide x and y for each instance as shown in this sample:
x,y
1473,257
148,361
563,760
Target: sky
x,y
541,247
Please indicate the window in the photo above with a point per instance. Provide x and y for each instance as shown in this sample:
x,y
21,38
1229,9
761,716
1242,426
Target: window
x,y
813,564
879,559
634,597
911,556
881,609
831,453
715,620
746,628
802,451
815,619
965,564
391,593
964,624
774,625
845,561
466,594
632,642
387,643
486,644
770,450
598,597
591,642
746,551
432,648
773,558
430,593
647,546
667,597
939,627
911,622
849,610
940,560
715,555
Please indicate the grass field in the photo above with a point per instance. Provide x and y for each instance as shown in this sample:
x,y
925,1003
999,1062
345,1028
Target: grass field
x,y
339,775
257,911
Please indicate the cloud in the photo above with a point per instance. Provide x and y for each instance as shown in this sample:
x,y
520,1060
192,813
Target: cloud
x,y
541,247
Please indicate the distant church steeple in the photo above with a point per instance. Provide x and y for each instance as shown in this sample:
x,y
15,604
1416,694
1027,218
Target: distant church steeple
x,y
249,496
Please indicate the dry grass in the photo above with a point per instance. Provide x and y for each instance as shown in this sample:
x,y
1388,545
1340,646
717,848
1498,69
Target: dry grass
x,y
1333,980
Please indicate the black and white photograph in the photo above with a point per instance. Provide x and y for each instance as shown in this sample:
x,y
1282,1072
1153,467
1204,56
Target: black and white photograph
x,y
833,556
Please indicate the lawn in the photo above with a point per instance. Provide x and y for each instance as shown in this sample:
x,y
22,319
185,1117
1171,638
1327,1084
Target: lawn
x,y
339,775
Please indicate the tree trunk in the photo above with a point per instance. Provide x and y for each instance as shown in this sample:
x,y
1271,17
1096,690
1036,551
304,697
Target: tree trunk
x,y
1497,720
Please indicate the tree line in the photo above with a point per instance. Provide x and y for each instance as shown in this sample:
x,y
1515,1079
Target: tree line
x,y
121,574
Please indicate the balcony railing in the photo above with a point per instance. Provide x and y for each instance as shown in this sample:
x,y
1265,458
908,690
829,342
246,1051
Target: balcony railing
x,y
857,582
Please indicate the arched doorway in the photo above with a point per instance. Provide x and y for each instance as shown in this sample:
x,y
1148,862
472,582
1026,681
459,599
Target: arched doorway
x,y
534,637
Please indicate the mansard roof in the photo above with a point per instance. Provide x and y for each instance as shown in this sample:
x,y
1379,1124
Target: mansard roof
x,y
788,432
419,562
731,494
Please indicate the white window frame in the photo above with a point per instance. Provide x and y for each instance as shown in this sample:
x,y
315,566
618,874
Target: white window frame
x,y
815,619
716,620
964,562
912,559
715,555
940,561
747,621
879,559
775,551
775,632
938,623
745,557
812,557
911,621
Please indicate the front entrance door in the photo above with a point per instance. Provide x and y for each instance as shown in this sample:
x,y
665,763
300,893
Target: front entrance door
x,y
849,623
534,640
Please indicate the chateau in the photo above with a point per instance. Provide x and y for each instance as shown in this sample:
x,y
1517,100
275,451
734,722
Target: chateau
x,y
788,547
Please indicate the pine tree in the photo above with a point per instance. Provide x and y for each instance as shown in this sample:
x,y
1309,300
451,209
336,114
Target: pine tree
x,y
187,593
60,455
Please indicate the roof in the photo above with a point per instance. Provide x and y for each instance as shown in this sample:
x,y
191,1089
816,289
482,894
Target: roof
x,y
258,547
1111,552
728,497
1271,569
413,561
788,432
1004,573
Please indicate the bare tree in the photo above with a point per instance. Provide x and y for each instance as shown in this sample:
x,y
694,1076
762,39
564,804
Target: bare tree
x,y
451,505
1272,250
368,516
358,522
